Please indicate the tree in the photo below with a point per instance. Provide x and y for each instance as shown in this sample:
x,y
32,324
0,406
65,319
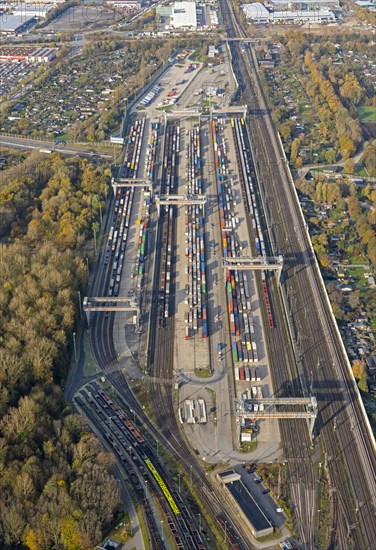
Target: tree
x,y
363,383
12,523
330,156
295,146
358,368
368,236
353,207
299,162
285,132
371,251
349,166
20,421
354,300
326,261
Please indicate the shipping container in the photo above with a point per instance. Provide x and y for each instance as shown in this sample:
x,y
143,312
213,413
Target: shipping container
x,y
247,374
234,352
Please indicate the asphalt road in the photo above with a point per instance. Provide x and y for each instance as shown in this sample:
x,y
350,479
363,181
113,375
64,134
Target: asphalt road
x,y
32,144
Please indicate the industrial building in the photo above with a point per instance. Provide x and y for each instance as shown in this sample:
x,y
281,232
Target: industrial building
x,y
27,53
258,522
279,5
366,4
184,15
18,18
259,14
16,24
27,10
130,4
188,15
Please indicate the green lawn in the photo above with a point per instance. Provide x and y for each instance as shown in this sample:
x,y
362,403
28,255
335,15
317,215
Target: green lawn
x,y
90,366
203,372
357,260
367,114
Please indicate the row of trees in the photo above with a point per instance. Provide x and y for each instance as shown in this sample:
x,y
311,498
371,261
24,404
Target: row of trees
x,y
55,482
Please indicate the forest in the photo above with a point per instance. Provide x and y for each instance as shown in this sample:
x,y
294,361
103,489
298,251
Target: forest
x,y
55,479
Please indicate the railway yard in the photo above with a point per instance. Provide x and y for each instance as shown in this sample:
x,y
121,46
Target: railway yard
x,y
188,303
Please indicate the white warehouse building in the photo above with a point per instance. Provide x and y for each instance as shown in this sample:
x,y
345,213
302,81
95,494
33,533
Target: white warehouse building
x,y
258,13
280,5
184,15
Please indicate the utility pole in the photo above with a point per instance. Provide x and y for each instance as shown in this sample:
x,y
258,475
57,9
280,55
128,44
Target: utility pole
x,y
95,242
79,303
74,347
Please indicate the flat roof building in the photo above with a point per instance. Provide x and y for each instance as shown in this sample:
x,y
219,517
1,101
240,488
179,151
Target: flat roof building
x,y
302,4
27,10
258,13
15,24
184,15
258,522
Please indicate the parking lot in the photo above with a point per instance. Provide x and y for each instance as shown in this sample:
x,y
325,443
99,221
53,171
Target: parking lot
x,y
80,18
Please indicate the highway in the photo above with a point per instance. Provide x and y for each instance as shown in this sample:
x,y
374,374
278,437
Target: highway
x,y
44,146
342,428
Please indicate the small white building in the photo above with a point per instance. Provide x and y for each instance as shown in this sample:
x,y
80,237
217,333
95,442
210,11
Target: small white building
x,y
211,90
212,51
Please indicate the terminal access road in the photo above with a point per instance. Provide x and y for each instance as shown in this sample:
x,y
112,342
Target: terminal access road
x,y
342,425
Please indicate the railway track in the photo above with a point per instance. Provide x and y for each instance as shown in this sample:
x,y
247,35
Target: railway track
x,y
343,432
161,367
297,451
101,331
